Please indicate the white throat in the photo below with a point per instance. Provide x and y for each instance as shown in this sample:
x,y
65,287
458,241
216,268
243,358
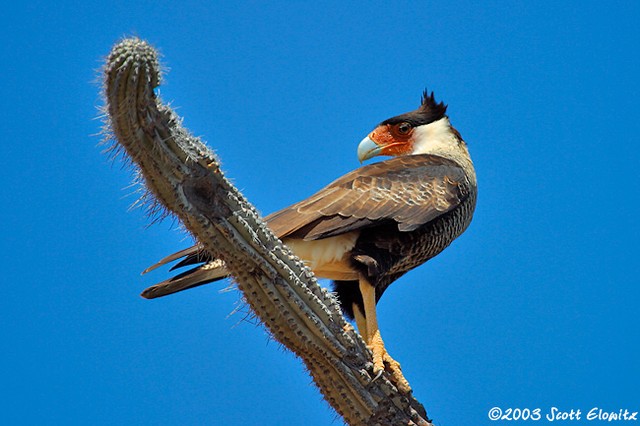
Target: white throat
x,y
439,138
435,138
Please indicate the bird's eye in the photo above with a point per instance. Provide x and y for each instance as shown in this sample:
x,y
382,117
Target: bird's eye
x,y
404,128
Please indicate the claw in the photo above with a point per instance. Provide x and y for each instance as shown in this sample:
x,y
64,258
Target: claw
x,y
396,373
377,376
382,357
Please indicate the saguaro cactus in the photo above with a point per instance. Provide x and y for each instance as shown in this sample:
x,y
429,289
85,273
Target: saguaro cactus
x,y
183,177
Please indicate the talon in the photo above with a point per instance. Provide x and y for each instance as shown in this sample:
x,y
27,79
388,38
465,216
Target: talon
x,y
347,328
377,375
396,372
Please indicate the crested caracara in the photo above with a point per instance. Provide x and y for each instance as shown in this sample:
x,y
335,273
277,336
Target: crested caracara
x,y
372,225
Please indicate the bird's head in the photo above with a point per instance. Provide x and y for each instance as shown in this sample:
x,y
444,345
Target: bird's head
x,y
424,131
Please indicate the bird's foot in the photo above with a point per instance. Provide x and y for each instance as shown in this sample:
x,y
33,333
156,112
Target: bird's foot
x,y
396,373
382,357
348,328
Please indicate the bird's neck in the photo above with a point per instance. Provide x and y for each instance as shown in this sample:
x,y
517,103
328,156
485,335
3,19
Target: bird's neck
x,y
441,139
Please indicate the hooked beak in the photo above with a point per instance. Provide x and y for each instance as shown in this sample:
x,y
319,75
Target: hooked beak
x,y
368,149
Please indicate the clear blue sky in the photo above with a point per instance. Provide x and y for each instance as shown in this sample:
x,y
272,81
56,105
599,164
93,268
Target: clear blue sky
x,y
536,305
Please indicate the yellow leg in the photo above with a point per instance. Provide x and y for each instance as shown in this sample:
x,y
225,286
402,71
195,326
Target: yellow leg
x,y
372,334
361,323
372,338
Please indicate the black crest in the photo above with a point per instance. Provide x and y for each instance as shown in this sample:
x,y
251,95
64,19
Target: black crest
x,y
429,111
429,104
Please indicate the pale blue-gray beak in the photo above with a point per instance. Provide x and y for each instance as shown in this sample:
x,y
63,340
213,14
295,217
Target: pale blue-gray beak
x,y
368,149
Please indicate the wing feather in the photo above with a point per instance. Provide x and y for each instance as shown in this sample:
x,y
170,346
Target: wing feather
x,y
410,191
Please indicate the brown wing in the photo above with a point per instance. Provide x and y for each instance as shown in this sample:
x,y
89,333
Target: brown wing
x,y
410,190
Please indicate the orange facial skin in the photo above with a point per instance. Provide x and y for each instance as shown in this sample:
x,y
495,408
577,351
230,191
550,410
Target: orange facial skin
x,y
393,139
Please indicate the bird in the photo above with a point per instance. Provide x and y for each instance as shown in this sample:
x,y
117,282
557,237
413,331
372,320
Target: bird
x,y
372,225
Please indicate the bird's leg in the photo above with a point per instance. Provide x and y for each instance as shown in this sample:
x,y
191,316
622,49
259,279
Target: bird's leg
x,y
361,322
374,340
371,332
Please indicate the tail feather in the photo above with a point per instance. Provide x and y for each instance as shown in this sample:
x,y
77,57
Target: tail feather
x,y
204,274
193,256
188,252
